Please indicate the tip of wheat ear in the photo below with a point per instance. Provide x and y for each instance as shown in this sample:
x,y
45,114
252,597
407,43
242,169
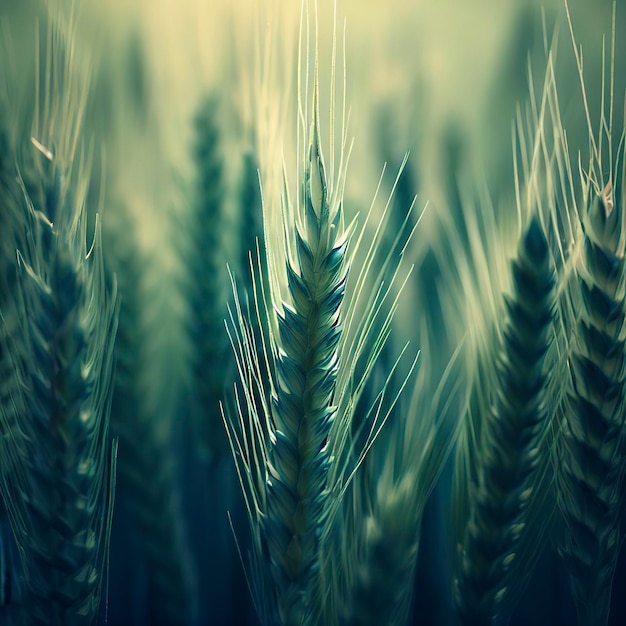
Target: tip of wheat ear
x,y
535,244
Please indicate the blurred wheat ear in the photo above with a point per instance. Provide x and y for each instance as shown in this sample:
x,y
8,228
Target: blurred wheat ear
x,y
591,451
381,586
396,480
510,455
10,569
206,287
147,486
57,461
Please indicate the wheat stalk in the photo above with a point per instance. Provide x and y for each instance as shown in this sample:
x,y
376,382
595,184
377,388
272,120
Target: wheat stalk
x,y
287,464
589,455
295,450
295,453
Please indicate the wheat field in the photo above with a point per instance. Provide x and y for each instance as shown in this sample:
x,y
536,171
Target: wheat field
x,y
312,313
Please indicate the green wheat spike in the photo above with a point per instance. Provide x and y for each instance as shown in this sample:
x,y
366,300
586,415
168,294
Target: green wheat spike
x,y
147,485
513,431
591,450
57,482
206,289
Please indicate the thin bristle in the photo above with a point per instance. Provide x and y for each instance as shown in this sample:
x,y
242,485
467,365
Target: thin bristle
x,y
251,218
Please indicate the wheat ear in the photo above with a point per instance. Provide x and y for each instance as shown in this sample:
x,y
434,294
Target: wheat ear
x,y
291,434
513,431
147,486
381,589
591,449
57,493
302,411
10,378
397,478
284,444
58,465
207,299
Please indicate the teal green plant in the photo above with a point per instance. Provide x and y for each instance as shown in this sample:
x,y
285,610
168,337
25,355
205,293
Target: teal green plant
x,y
335,466
503,498
589,452
301,405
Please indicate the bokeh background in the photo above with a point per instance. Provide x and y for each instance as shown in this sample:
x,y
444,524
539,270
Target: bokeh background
x,y
442,81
